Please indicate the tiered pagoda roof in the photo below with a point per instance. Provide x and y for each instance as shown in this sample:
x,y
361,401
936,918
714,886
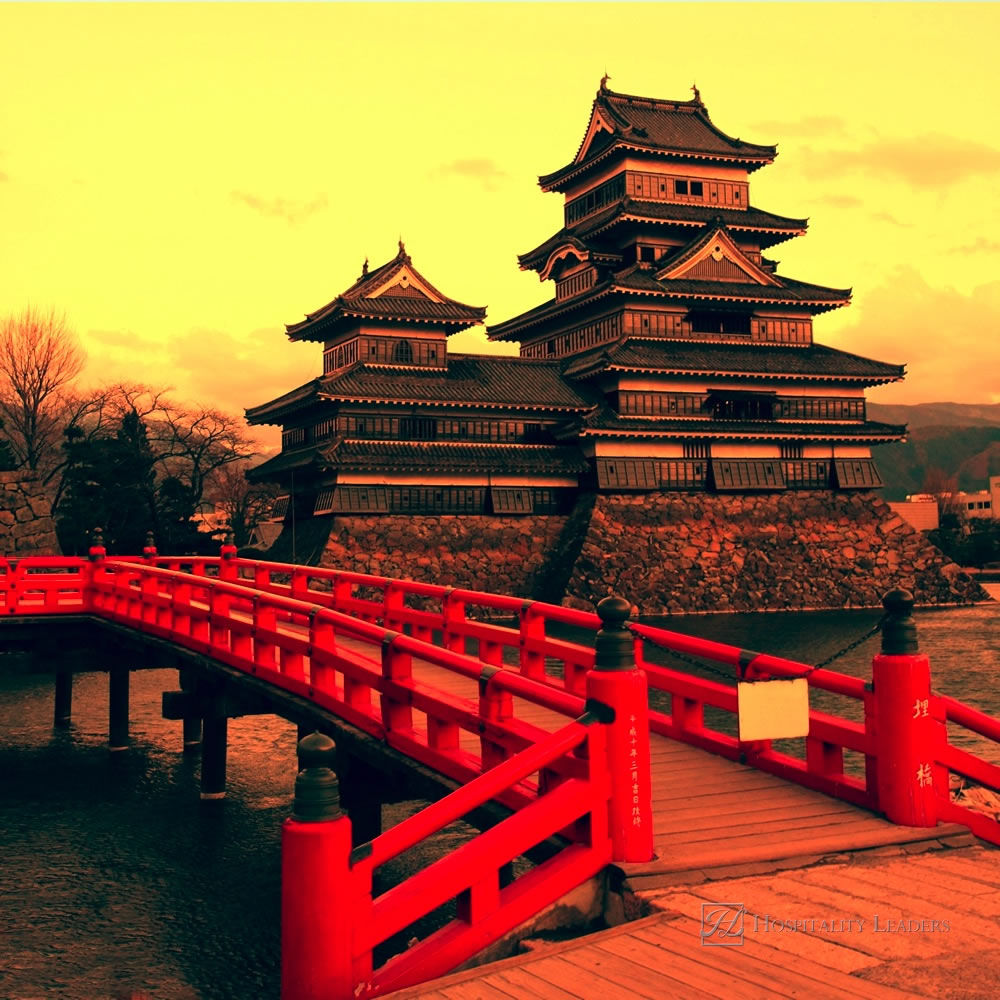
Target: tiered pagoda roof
x,y
738,361
773,228
470,380
678,129
394,292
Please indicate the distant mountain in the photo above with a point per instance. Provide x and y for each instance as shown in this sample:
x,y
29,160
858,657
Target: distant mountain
x,y
962,440
938,414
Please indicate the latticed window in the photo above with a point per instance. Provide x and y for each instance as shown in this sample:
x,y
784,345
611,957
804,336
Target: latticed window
x,y
403,353
280,508
512,500
324,501
791,450
856,473
748,474
697,449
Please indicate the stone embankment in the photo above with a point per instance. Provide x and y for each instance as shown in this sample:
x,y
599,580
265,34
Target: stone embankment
x,y
673,553
669,553
505,555
26,525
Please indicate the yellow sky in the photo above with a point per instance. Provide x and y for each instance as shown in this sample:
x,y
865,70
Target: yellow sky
x,y
183,180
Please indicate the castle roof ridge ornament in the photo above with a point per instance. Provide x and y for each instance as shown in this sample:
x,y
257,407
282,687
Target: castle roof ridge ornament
x,y
604,82
697,94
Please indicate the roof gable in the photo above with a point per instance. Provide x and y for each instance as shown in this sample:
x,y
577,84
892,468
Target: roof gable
x,y
715,256
405,280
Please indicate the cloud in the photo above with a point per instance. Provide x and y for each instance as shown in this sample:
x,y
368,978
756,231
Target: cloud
x,y
928,161
122,338
481,169
251,370
293,212
839,201
982,245
809,127
891,219
945,338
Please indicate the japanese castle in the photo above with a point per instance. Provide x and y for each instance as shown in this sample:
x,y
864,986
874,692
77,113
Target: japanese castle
x,y
673,355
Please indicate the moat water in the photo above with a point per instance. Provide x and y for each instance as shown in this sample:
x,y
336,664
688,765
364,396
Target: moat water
x,y
119,883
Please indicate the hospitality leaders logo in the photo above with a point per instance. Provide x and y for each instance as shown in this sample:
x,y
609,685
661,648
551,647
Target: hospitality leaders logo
x,y
722,924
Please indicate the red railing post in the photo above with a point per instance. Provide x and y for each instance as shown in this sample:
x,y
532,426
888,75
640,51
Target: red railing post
x,y
906,735
532,629
619,684
95,572
317,915
228,569
149,549
452,615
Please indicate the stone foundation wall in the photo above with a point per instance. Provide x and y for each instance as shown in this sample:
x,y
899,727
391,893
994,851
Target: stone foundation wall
x,y
668,553
26,525
671,553
507,555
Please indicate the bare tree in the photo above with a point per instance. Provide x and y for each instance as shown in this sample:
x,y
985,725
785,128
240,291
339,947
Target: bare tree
x,y
39,358
245,504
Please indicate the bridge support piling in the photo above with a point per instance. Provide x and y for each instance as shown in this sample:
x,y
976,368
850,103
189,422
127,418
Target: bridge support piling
x,y
192,735
361,794
118,690
215,734
316,917
192,723
617,683
64,697
907,736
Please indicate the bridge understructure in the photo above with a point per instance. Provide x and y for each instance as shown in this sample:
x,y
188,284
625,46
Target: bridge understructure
x,y
561,735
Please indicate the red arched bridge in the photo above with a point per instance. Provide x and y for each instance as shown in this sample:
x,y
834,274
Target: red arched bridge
x,y
566,724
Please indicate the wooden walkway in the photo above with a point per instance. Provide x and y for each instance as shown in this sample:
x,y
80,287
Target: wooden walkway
x,y
847,943
710,813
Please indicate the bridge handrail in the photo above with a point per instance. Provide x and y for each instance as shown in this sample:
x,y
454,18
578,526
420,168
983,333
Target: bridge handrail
x,y
472,873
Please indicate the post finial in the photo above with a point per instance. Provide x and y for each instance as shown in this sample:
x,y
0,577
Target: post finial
x,y
899,632
614,647
317,791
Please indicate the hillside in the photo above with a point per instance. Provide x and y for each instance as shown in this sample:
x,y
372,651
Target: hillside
x,y
959,439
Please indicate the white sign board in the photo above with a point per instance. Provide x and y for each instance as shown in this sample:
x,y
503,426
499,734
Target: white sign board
x,y
773,710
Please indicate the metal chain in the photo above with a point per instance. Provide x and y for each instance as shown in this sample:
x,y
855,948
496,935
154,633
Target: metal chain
x,y
728,674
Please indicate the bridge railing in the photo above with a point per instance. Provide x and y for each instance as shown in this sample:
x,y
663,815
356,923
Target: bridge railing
x,y
473,875
52,585
459,619
361,671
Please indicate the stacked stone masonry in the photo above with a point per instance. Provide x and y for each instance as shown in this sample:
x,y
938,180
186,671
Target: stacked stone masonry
x,y
26,525
670,553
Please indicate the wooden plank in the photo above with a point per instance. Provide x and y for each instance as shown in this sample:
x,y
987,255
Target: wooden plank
x,y
703,819
783,898
749,826
480,989
524,985
903,898
597,975
851,836
776,973
838,955
685,968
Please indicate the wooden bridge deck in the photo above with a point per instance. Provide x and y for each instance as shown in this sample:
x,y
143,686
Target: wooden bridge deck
x,y
848,944
709,812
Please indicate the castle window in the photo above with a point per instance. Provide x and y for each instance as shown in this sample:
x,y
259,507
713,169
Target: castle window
x,y
324,501
791,451
680,187
403,353
647,253
697,190
417,429
696,449
279,508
